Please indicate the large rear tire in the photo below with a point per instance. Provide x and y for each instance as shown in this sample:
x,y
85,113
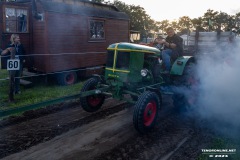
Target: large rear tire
x,y
180,102
91,103
187,99
146,112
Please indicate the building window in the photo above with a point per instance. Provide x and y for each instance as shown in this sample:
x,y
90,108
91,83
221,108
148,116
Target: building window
x,y
16,20
97,29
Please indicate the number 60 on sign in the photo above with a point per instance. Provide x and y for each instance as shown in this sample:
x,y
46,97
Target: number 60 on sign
x,y
13,64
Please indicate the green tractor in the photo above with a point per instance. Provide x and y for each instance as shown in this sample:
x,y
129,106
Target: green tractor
x,y
135,70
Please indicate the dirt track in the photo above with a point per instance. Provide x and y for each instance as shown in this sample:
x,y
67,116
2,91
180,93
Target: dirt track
x,y
108,134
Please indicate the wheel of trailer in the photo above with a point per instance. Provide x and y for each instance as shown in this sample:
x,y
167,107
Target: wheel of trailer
x,y
146,111
66,78
93,102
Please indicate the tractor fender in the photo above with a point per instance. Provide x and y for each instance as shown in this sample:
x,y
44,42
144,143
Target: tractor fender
x,y
179,65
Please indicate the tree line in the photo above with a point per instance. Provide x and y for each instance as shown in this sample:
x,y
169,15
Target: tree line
x,y
210,21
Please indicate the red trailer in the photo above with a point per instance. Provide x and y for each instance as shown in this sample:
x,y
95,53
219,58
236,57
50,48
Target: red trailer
x,y
61,36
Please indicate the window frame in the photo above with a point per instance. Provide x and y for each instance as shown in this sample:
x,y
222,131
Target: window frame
x,y
123,60
103,39
4,18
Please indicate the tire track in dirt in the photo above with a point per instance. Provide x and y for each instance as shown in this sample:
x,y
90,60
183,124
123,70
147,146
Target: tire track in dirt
x,y
21,136
176,136
83,142
171,129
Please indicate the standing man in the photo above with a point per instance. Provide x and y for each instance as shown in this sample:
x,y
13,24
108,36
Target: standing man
x,y
173,47
19,52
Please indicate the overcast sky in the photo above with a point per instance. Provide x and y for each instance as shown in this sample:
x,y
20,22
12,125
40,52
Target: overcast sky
x,y
173,9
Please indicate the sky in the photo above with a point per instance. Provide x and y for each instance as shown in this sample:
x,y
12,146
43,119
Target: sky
x,y
173,9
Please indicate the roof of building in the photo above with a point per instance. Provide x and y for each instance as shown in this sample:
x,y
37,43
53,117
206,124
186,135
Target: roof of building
x,y
86,10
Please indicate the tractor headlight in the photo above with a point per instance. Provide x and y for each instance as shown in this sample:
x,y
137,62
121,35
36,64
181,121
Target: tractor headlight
x,y
144,72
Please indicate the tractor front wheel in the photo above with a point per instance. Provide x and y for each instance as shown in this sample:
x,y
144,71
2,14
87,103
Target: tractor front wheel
x,y
146,112
93,102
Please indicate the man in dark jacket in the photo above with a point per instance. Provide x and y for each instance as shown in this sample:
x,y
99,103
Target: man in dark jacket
x,y
173,47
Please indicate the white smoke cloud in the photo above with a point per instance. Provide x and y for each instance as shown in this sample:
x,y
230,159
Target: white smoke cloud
x,y
219,89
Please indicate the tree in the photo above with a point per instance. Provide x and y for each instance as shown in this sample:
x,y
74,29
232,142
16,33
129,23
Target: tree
x,y
185,24
175,25
162,25
237,23
209,20
198,23
139,19
224,21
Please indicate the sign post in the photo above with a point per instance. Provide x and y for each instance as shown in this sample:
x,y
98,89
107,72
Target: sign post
x,y
12,65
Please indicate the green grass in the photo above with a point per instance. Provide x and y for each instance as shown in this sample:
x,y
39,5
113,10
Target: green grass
x,y
38,93
4,87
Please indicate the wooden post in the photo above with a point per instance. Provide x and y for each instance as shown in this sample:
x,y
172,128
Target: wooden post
x,y
12,78
196,39
218,33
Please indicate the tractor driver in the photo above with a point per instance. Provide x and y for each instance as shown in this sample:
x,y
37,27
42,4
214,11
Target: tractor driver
x,y
173,48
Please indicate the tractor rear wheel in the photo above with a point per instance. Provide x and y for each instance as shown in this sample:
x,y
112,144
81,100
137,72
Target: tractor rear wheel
x,y
94,102
185,100
180,102
146,112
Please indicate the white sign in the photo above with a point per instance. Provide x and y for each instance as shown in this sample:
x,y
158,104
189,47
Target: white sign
x,y
219,153
13,64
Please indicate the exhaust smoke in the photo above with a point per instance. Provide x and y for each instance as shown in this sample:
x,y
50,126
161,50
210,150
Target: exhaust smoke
x,y
219,89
